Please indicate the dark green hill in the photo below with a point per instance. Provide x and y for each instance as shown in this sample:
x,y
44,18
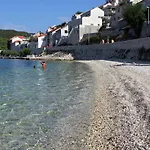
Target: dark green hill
x,y
5,35
10,33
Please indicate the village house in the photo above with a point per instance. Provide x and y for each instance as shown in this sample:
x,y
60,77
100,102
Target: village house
x,y
42,41
109,11
60,36
18,43
50,39
117,18
84,23
38,41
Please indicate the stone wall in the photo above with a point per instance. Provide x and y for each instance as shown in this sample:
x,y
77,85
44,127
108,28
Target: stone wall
x,y
36,51
130,49
145,30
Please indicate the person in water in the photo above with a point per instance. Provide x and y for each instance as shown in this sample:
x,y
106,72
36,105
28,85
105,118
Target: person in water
x,y
34,66
43,64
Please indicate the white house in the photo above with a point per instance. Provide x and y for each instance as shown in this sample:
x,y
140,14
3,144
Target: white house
x,y
60,36
134,1
84,23
38,41
18,43
42,41
50,28
50,39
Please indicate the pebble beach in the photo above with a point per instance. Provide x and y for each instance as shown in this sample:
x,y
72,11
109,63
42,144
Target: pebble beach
x,y
121,113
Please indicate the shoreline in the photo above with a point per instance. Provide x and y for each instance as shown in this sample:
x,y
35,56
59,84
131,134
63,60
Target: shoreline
x,y
121,106
56,56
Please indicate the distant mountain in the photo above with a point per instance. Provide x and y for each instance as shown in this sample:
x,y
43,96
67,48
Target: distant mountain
x,y
5,35
10,33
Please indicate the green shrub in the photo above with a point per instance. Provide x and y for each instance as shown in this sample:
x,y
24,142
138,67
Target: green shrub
x,y
9,53
95,40
25,52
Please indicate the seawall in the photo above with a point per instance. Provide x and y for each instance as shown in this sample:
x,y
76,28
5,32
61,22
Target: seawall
x,y
137,49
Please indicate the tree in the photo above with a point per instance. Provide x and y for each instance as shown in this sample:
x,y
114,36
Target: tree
x,y
135,17
3,43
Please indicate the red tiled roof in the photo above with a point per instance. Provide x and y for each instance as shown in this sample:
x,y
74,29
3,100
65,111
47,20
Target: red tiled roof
x,y
21,37
17,41
54,29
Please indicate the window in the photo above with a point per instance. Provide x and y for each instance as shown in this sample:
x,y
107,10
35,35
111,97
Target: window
x,y
66,31
98,24
99,17
118,18
118,9
92,24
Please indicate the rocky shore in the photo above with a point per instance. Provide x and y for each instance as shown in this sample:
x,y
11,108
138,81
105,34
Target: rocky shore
x,y
121,114
53,56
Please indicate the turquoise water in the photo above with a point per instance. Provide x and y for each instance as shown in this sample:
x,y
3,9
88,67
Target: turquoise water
x,y
44,108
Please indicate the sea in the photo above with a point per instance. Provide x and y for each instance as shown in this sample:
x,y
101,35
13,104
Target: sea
x,y
44,109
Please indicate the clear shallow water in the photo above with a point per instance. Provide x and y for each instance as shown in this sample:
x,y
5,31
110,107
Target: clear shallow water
x,y
44,109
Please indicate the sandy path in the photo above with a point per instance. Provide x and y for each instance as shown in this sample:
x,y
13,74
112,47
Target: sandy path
x,y
121,115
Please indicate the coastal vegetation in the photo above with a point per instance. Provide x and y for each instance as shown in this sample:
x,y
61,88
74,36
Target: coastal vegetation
x,y
23,53
3,43
97,39
135,17
9,53
91,40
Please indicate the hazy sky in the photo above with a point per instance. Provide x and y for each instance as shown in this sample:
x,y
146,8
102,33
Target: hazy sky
x,y
37,15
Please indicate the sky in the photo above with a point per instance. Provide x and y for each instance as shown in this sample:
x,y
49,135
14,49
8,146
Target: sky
x,y
38,15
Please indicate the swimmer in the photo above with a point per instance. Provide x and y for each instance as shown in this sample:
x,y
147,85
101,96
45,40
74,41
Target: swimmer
x,y
43,64
34,66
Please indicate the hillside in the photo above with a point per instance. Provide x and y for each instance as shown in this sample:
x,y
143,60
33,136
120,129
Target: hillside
x,y
7,34
10,33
